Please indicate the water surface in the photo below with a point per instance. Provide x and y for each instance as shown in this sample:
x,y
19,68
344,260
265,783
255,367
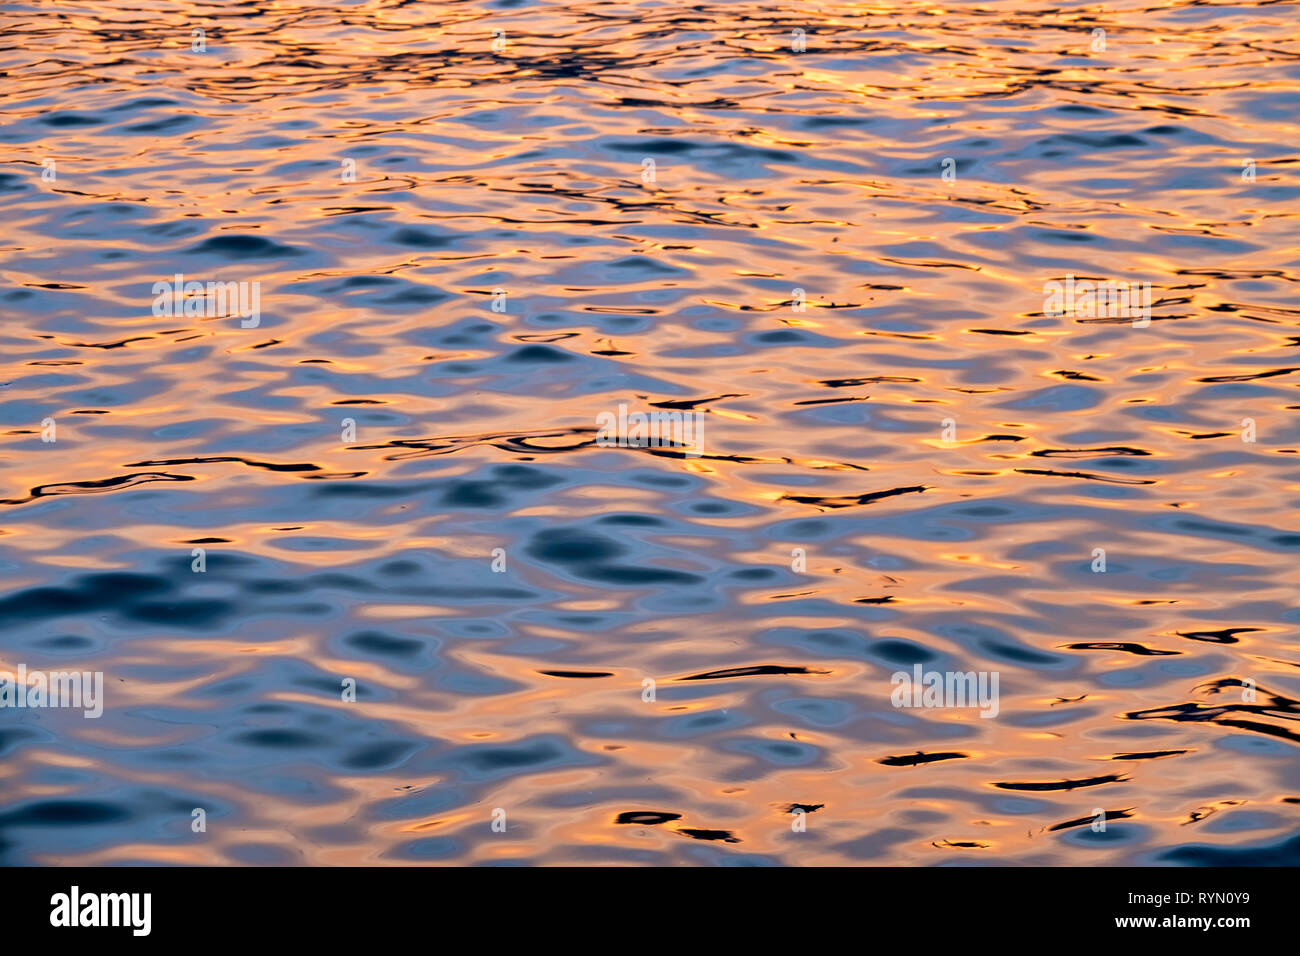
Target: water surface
x,y
917,467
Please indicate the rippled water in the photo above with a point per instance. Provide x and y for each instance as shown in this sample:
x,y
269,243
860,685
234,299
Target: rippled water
x,y
917,467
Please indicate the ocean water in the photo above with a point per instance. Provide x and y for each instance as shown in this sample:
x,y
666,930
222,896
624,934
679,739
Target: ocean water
x,y
377,567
